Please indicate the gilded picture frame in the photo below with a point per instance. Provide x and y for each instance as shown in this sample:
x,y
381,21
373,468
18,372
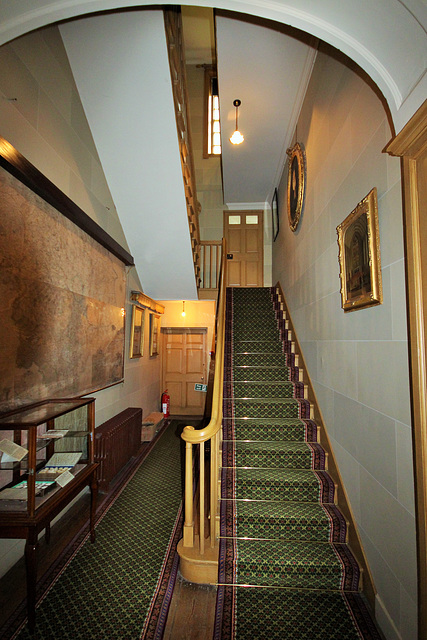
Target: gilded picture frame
x,y
359,256
297,172
154,334
275,214
136,345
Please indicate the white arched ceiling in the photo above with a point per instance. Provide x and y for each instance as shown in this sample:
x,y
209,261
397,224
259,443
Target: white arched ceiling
x,y
387,38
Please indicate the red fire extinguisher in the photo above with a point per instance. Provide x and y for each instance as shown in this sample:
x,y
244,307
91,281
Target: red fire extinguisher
x,y
166,400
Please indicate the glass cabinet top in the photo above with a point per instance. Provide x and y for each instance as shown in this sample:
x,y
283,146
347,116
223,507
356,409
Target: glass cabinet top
x,y
39,413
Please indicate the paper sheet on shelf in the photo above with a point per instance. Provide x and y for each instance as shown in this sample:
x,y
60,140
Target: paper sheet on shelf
x,y
12,452
64,478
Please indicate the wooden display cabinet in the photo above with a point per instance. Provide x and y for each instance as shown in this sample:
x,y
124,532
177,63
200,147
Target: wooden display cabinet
x,y
26,518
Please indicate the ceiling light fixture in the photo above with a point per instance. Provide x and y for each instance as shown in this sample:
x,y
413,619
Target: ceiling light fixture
x,y
237,137
183,309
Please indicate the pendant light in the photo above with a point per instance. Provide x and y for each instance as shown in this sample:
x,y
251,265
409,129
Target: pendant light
x,y
237,137
183,309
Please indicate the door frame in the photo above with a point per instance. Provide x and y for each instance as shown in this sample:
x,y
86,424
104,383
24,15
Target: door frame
x,y
411,146
253,212
164,332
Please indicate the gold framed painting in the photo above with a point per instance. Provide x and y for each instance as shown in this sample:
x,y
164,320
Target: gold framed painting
x,y
136,347
296,184
359,256
154,334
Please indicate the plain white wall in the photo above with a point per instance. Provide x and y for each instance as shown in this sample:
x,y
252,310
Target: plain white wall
x,y
358,361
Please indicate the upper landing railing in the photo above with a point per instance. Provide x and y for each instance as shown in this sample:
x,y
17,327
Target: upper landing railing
x,y
174,39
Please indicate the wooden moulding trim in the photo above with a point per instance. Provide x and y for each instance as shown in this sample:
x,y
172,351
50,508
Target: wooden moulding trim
x,y
411,145
181,330
411,141
17,165
146,301
354,540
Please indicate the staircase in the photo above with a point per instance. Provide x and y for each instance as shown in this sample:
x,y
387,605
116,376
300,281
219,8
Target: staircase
x,y
285,570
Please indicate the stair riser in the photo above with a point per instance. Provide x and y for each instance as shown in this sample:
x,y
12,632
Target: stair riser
x,y
253,374
290,409
307,578
295,433
262,390
308,532
290,461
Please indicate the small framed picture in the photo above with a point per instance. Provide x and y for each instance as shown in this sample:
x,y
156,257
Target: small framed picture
x,y
136,349
275,214
359,256
296,184
154,334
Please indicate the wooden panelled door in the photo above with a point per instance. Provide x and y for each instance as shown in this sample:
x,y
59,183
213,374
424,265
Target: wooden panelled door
x,y
244,233
184,365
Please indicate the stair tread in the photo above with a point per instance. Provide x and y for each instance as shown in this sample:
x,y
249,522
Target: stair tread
x,y
317,565
278,390
270,430
297,485
318,616
286,520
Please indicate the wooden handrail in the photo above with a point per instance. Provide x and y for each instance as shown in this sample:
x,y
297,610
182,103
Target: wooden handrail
x,y
212,433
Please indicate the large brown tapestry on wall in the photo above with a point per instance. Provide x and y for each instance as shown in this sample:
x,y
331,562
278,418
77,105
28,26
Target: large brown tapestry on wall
x,y
62,296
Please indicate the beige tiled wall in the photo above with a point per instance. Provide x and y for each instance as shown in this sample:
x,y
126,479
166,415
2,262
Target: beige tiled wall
x,y
358,361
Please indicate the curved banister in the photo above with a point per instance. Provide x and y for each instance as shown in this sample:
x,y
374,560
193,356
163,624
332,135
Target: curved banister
x,y
189,434
198,437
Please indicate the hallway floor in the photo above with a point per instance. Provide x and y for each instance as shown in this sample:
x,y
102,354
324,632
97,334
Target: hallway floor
x,y
192,609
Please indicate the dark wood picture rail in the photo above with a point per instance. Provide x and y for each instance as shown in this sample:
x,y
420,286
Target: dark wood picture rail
x,y
16,164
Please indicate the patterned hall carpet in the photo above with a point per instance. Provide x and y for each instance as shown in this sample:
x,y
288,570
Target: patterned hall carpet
x,y
285,570
119,588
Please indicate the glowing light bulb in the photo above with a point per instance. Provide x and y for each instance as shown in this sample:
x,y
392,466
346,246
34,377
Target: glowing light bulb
x,y
183,309
236,138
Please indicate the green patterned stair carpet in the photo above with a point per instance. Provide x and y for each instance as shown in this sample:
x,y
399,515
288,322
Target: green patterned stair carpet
x,y
285,569
120,586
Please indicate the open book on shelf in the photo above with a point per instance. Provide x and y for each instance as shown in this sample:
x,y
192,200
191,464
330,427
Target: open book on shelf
x,y
53,433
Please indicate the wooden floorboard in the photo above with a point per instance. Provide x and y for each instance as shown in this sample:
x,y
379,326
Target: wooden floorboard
x,y
192,612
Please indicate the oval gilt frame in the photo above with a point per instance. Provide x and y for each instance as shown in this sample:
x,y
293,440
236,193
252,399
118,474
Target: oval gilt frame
x,y
296,184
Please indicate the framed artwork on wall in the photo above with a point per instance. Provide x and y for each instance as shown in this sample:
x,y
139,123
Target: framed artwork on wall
x,y
296,184
154,334
359,256
275,214
136,347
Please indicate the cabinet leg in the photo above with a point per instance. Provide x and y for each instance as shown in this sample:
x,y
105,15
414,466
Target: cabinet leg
x,y
31,553
93,501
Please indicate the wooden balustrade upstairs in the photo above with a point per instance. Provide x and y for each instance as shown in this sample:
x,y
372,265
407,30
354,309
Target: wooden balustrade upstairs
x,y
198,549
176,53
210,265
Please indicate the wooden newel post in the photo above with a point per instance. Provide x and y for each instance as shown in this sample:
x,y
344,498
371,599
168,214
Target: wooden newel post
x,y
188,538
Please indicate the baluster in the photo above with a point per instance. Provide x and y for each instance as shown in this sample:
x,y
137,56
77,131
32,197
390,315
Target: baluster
x,y
204,266
189,523
202,499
